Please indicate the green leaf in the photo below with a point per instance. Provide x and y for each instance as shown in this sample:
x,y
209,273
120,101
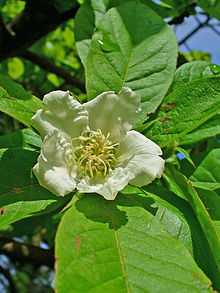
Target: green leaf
x,y
180,185
180,221
206,185
212,7
178,7
191,71
209,129
124,54
92,11
208,173
24,138
120,247
17,102
84,28
20,195
168,210
15,67
86,21
178,117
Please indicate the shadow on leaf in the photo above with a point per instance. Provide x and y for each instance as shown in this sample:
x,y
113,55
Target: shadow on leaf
x,y
98,209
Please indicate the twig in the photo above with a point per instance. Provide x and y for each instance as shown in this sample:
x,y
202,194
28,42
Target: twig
x,y
214,30
51,67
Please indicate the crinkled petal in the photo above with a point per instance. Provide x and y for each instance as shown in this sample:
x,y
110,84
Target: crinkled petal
x,y
141,158
53,169
61,112
113,113
116,181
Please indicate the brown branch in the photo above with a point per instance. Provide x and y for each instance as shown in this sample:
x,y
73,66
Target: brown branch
x,y
38,19
26,253
48,65
8,277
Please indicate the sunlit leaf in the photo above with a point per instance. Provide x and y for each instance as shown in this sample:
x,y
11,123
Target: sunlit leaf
x,y
120,247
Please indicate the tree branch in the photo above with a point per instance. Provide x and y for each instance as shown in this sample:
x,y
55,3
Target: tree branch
x,y
8,277
26,253
48,65
193,32
38,19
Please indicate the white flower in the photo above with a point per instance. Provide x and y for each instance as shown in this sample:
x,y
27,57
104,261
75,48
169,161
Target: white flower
x,y
91,146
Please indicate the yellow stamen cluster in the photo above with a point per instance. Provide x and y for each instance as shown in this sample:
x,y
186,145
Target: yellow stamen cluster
x,y
95,154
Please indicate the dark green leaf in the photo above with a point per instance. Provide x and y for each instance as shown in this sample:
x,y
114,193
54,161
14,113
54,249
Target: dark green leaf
x,y
20,194
180,185
21,138
208,173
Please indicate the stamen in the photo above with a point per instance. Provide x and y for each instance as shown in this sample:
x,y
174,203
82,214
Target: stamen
x,y
95,154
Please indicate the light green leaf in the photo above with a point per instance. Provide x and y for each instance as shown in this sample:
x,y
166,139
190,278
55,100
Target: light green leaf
x,y
120,247
178,117
124,54
17,102
206,185
169,210
20,195
191,71
15,67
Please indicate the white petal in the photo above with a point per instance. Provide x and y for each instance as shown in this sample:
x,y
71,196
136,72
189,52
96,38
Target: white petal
x,y
61,112
135,142
52,169
145,168
113,113
108,188
140,157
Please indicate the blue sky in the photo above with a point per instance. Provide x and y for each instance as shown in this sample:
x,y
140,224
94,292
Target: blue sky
x,y
204,40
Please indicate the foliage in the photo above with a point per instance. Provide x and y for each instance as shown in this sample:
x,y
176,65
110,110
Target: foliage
x,y
161,237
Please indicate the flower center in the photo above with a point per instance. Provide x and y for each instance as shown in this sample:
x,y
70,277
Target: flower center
x,y
95,154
